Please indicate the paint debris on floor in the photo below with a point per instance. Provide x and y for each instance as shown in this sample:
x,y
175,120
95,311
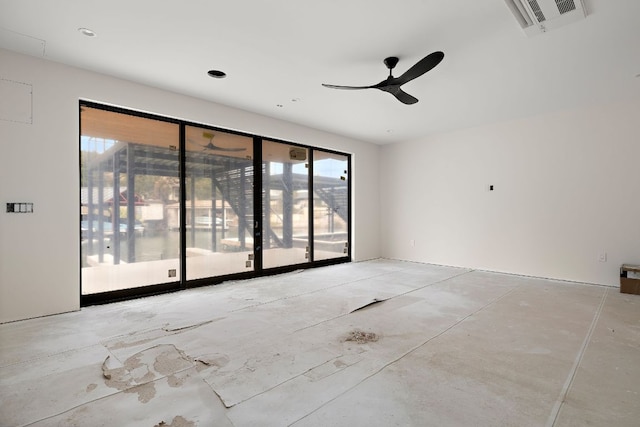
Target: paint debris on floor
x,y
376,343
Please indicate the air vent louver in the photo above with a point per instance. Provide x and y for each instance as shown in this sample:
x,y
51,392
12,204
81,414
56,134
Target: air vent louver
x,y
535,7
539,16
565,6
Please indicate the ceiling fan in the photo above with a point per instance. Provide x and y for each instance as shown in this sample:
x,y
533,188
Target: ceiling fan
x,y
392,84
212,146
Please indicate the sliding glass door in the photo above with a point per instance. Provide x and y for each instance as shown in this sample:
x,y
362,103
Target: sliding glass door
x,y
330,205
218,202
167,204
285,190
129,180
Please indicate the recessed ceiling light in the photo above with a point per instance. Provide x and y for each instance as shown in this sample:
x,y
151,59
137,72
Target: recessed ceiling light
x,y
217,74
295,99
279,105
87,32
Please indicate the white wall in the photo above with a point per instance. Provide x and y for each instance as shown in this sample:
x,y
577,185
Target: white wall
x,y
39,163
567,186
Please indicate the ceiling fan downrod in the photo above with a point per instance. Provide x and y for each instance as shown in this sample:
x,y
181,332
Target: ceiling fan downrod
x,y
391,63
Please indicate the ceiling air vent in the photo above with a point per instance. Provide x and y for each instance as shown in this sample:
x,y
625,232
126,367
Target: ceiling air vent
x,y
565,6
539,16
535,8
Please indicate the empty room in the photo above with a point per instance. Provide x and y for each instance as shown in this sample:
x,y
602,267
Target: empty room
x,y
279,213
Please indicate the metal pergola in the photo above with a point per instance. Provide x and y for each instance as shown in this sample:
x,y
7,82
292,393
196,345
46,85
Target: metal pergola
x,y
231,177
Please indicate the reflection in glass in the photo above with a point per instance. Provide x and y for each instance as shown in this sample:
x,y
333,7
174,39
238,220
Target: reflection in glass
x,y
219,203
330,205
285,189
133,234
129,176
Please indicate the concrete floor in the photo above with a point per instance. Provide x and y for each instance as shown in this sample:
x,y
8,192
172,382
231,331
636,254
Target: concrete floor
x,y
436,346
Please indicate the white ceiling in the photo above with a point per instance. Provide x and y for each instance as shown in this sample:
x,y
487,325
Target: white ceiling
x,y
278,51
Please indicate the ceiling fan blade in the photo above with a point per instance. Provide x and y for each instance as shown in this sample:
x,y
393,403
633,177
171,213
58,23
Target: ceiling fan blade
x,y
191,141
212,146
421,67
401,95
347,87
229,149
404,97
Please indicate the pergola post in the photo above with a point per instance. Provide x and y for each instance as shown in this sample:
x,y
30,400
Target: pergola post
x,y
115,215
266,223
101,215
192,215
131,205
214,213
242,211
287,205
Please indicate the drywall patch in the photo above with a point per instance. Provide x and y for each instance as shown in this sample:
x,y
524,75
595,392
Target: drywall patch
x,y
16,103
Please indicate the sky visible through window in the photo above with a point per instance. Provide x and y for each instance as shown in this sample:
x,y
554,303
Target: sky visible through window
x,y
93,144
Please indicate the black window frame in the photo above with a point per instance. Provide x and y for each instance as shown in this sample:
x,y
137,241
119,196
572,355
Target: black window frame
x,y
258,271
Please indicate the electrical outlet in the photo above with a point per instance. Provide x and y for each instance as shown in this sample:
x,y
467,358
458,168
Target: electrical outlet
x,y
602,257
412,242
172,272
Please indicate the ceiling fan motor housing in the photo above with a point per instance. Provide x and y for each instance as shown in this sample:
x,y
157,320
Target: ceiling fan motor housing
x,y
391,62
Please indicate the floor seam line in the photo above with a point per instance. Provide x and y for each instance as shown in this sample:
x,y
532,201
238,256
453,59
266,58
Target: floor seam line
x,y
557,407
106,396
407,353
45,356
346,314
100,342
343,284
388,299
301,294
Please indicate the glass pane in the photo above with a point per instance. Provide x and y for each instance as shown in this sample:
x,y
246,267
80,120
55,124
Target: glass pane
x,y
330,205
129,178
285,189
219,203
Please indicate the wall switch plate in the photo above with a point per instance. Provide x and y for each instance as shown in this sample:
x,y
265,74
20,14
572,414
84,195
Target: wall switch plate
x,y
19,207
